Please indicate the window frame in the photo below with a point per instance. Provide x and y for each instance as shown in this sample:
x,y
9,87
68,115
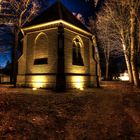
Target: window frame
x,y
77,57
40,60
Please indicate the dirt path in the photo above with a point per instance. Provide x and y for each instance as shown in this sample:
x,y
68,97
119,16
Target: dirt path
x,y
109,113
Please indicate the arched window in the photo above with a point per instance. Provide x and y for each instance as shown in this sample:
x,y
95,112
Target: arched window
x,y
40,49
77,52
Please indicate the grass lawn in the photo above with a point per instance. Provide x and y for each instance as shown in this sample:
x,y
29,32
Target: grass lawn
x,y
108,113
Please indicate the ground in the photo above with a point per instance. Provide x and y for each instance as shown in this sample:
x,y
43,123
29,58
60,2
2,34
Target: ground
x,y
111,112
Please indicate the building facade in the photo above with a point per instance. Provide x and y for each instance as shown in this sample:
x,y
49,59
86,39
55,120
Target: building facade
x,y
58,52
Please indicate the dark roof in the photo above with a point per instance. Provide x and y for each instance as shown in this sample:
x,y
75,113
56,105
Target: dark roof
x,y
56,12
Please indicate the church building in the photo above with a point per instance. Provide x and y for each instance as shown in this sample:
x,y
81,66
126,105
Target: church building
x,y
58,52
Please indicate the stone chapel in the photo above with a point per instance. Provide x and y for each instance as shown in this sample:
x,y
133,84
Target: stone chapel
x,y
58,52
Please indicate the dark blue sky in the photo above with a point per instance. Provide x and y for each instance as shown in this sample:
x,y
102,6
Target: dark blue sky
x,y
78,6
6,43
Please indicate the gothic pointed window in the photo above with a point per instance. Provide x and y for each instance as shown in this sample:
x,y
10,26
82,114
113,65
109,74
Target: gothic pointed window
x,y
40,49
77,53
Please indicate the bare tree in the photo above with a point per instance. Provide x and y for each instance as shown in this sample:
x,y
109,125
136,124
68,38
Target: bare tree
x,y
123,15
17,14
134,6
80,17
108,38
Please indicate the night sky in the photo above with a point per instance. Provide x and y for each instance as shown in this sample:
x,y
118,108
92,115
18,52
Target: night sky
x,y
6,43
7,39
78,6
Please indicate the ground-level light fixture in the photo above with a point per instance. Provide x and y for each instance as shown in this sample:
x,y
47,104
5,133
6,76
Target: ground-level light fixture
x,y
78,82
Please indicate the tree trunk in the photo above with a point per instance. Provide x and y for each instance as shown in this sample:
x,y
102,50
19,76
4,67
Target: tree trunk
x,y
107,55
127,61
107,70
15,58
133,46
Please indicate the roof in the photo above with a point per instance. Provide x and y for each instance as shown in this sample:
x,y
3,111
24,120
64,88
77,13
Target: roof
x,y
57,12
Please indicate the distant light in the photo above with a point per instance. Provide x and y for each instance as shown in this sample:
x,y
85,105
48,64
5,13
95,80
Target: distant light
x,y
34,88
124,76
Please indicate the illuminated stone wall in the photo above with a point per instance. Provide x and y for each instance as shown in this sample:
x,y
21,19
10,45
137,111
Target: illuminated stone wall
x,y
78,76
28,71
69,67
36,75
51,50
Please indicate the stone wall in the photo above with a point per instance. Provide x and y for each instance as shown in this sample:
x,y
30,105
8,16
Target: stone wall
x,y
44,75
27,70
77,76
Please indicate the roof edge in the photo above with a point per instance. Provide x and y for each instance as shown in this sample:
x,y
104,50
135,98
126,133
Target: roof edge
x,y
56,22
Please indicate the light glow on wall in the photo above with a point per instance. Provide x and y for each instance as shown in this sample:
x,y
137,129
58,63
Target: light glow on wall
x,y
38,82
57,22
34,88
78,82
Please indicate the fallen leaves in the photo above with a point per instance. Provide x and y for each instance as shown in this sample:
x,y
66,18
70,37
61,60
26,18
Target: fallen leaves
x,y
89,114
